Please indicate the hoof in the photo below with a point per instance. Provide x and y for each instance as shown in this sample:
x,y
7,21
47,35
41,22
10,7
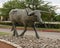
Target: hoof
x,y
21,36
37,37
13,35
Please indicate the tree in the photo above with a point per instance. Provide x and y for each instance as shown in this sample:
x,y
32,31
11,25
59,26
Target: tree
x,y
33,4
56,18
14,4
41,5
7,6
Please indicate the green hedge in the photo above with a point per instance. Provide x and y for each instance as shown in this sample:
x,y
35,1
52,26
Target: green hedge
x,y
37,25
9,23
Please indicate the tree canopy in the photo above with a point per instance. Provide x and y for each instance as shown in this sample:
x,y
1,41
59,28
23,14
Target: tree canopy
x,y
33,4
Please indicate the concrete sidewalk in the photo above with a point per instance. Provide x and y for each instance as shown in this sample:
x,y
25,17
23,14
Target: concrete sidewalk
x,y
53,35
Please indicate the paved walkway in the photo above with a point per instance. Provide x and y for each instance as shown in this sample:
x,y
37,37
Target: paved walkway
x,y
53,35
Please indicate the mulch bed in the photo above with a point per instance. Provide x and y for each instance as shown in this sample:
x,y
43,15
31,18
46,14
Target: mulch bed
x,y
32,42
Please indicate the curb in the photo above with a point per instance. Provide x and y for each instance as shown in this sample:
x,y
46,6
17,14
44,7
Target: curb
x,y
10,43
32,30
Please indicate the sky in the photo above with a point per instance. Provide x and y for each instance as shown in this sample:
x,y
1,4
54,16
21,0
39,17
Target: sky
x,y
53,2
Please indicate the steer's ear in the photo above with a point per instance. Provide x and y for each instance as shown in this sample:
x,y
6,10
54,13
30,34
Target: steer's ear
x,y
31,13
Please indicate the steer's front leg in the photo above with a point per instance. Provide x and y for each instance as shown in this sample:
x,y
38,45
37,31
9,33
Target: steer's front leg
x,y
14,30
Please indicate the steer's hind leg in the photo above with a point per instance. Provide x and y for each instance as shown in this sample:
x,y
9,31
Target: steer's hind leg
x,y
25,29
35,31
14,29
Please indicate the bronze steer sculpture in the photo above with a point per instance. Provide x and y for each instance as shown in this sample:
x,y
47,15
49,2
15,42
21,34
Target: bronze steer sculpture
x,y
25,16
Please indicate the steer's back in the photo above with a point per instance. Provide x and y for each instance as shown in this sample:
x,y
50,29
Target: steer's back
x,y
17,14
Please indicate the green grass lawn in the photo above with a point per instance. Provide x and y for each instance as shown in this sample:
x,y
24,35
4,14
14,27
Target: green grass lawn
x,y
4,33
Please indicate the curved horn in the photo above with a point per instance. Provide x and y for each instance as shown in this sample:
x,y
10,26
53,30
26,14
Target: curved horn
x,y
31,13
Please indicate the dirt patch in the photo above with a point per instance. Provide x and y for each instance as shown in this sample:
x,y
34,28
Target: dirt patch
x,y
5,45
